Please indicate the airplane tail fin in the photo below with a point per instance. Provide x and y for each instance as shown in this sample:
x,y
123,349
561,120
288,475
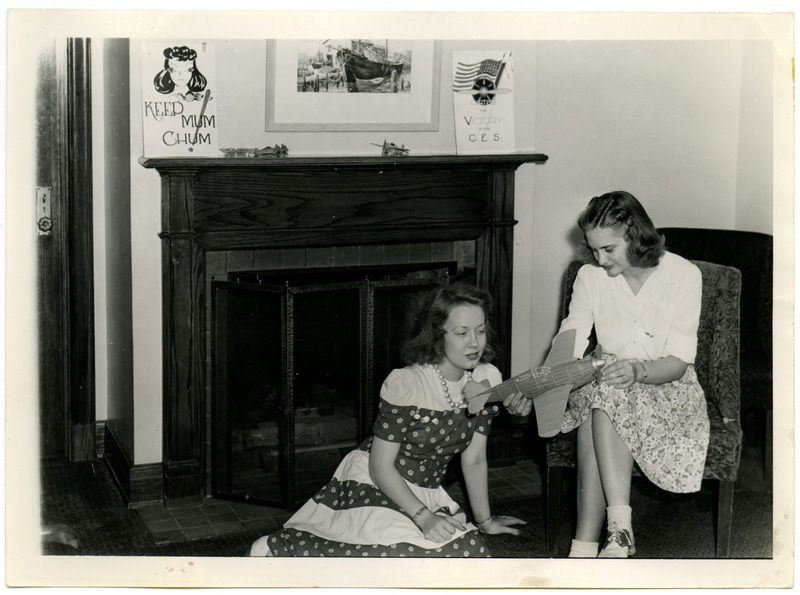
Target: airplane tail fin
x,y
561,351
477,394
550,408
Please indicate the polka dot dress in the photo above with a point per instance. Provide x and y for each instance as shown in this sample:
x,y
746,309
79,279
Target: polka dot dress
x,y
350,516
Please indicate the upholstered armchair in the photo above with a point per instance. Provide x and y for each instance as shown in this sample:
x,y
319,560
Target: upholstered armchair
x,y
751,253
717,366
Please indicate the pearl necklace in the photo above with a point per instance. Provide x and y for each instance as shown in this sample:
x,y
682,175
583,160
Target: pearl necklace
x,y
446,389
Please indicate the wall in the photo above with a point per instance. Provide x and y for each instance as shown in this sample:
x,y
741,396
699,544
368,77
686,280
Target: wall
x,y
684,126
145,265
754,172
666,120
99,240
113,162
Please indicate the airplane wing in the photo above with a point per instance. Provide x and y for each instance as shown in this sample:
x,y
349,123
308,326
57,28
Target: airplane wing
x,y
563,349
477,394
550,408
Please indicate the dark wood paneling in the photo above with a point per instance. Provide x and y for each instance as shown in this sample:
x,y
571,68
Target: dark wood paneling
x,y
267,259
137,483
495,162
118,462
183,368
362,235
80,264
65,258
340,198
50,260
147,483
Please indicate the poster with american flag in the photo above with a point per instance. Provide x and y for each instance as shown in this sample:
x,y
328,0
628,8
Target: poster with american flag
x,y
483,102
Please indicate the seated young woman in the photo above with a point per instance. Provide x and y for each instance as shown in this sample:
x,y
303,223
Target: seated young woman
x,y
386,497
649,407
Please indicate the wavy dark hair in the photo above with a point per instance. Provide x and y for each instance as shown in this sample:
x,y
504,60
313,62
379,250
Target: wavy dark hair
x,y
426,345
621,211
163,82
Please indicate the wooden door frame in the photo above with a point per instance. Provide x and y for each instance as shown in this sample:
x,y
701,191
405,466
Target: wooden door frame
x,y
65,166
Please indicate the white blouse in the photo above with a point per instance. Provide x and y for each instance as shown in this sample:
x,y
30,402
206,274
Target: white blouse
x,y
661,320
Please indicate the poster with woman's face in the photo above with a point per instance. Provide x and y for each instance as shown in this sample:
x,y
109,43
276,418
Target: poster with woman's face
x,y
179,99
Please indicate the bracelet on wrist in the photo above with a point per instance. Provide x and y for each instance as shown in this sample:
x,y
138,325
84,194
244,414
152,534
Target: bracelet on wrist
x,y
644,372
418,514
483,523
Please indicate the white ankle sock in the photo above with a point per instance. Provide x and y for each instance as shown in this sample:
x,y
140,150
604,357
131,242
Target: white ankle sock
x,y
619,517
583,549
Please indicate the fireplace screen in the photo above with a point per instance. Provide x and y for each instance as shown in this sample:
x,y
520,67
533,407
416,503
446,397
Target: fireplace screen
x,y
297,364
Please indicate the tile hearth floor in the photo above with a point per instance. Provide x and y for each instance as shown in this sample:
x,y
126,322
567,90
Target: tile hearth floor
x,y
211,517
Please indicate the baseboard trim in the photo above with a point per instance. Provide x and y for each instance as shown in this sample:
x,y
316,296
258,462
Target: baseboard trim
x,y
138,484
147,483
99,439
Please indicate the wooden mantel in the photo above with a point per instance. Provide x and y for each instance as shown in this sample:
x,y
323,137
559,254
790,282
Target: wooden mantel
x,y
215,204
314,162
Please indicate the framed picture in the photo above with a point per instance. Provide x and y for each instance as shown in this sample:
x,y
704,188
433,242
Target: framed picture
x,y
353,85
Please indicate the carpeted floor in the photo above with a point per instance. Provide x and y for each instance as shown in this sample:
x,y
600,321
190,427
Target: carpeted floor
x,y
83,497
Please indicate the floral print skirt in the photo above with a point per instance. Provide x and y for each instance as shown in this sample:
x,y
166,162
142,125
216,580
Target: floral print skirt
x,y
665,426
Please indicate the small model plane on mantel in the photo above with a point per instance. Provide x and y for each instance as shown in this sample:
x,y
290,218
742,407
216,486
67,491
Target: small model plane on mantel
x,y
548,386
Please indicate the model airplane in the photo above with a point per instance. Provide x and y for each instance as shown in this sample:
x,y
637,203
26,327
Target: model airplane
x,y
392,150
549,388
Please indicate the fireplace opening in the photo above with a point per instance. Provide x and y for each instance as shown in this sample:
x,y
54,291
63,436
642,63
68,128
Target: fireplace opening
x,y
298,359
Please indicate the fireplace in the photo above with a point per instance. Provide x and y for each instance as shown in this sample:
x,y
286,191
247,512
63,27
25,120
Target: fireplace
x,y
297,361
258,404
